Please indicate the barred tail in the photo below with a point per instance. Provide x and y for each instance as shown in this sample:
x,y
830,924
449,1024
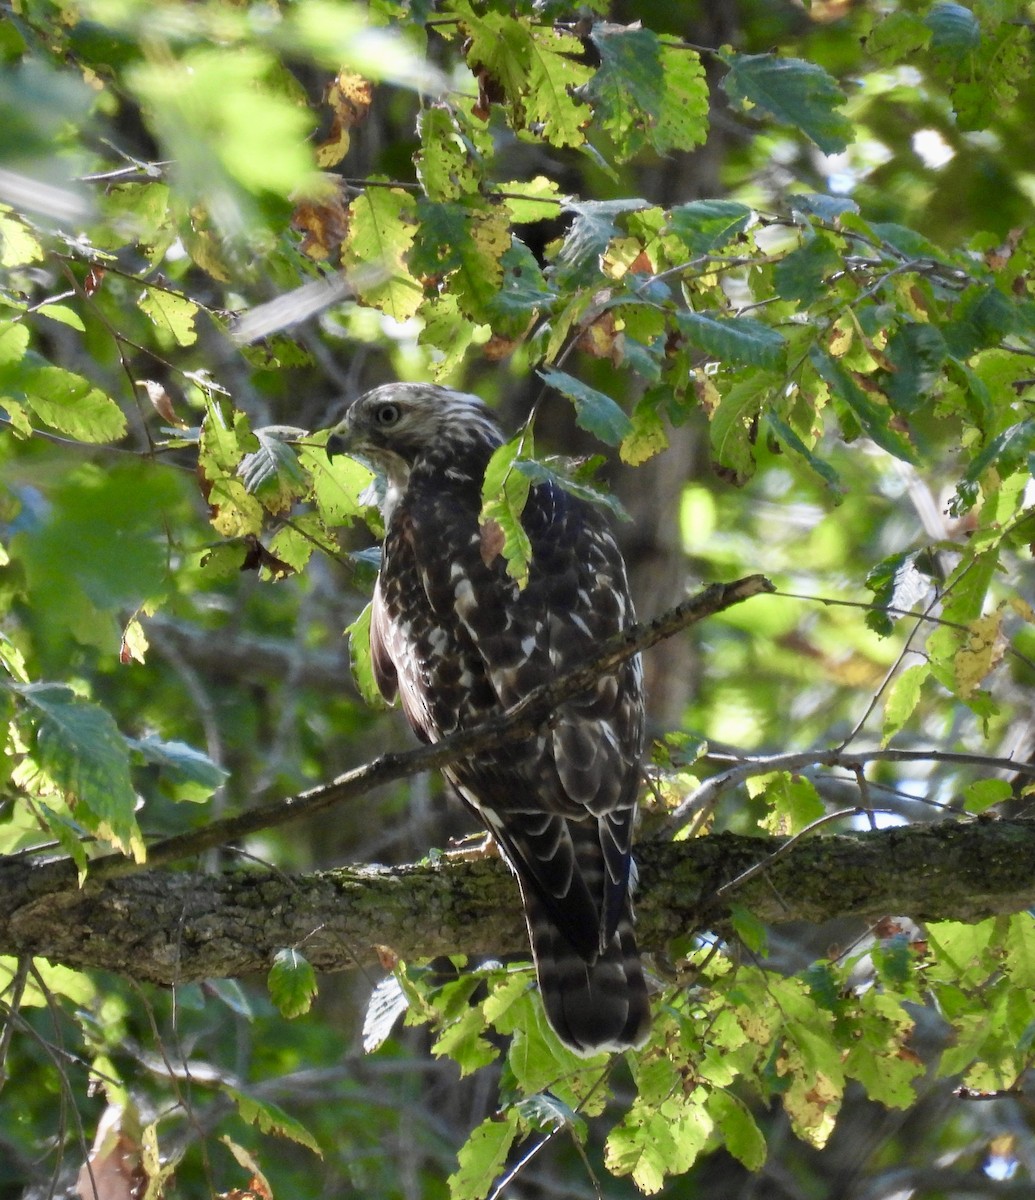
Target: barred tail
x,y
592,1006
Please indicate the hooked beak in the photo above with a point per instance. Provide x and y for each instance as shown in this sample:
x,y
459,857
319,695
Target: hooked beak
x,y
339,442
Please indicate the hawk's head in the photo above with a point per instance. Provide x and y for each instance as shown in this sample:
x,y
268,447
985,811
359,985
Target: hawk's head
x,y
396,425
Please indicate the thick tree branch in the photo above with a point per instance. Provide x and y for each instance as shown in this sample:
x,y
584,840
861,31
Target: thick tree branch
x,y
171,927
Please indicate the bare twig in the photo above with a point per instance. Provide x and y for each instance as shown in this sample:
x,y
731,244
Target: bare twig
x,y
761,764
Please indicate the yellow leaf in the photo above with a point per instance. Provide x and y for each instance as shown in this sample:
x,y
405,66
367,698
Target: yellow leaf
x,y
979,654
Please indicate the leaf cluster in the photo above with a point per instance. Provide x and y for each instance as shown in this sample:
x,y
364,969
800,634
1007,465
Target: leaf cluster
x,y
202,218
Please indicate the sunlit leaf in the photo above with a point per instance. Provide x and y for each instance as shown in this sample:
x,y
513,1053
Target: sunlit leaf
x,y
483,1156
360,659
292,983
71,404
504,493
381,231
902,698
82,751
172,313
270,1118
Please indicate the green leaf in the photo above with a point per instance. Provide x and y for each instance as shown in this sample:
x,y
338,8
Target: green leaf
x,y
504,494
226,438
522,292
794,802
554,77
983,317
71,404
337,484
80,748
360,660
731,431
880,1057
1007,452
195,773
645,92
896,583
735,339
627,87
559,474
647,436
69,835
501,46
651,1142
172,313
983,794
594,411
797,93
225,123
902,698
953,28
480,272
382,223
63,315
802,274
705,225
14,341
292,983
143,209
916,351
790,439
462,1041
483,1156
529,200
270,1118
751,931
682,119
578,261
875,419
446,166
18,247
1019,944
272,472
740,1135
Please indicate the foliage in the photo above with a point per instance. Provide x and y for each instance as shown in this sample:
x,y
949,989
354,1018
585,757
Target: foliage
x,y
204,213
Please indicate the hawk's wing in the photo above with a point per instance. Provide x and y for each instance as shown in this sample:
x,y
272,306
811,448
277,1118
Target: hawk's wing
x,y
561,803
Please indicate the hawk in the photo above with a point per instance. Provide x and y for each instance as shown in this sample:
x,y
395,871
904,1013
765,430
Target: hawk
x,y
455,638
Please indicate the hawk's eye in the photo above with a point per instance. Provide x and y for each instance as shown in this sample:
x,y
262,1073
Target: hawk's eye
x,y
387,415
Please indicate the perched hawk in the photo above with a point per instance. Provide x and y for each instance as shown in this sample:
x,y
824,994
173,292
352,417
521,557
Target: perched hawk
x,y
455,638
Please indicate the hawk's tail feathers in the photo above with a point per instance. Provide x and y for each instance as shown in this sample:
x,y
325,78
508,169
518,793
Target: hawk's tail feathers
x,y
592,1007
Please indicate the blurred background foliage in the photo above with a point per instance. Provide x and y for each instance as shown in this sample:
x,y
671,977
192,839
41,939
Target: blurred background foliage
x,y
779,257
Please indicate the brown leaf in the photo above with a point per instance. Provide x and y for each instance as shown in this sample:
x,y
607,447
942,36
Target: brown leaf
x,y
93,280
387,957
598,339
349,97
115,1171
498,348
493,540
323,221
162,402
490,92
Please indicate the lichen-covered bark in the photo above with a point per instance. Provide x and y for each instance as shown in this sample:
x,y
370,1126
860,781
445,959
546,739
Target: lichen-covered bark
x,y
171,926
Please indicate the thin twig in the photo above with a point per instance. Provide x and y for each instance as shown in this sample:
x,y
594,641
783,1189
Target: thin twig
x,y
762,764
